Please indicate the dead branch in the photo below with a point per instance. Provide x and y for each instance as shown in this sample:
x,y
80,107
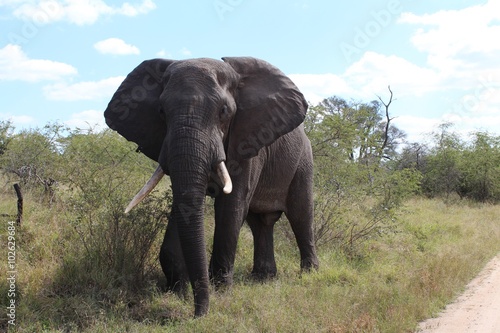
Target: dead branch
x,y
387,124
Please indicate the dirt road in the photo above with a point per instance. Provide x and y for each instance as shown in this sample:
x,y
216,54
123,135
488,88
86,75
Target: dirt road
x,y
477,310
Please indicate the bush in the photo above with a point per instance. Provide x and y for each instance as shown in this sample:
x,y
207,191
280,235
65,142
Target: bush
x,y
454,166
357,189
480,169
32,157
103,173
6,129
348,212
117,247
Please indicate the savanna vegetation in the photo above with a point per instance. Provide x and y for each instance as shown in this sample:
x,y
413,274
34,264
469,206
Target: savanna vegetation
x,y
400,228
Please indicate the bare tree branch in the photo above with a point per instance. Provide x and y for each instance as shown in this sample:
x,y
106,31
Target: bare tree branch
x,y
387,124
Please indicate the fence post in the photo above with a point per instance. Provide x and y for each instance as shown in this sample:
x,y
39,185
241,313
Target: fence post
x,y
19,204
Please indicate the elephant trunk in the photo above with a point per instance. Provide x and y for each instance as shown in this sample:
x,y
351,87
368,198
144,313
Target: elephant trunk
x,y
189,167
189,163
187,214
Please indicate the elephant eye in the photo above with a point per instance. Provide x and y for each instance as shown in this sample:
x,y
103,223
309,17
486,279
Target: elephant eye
x,y
224,113
162,113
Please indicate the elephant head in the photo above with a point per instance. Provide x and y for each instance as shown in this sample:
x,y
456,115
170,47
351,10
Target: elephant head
x,y
193,116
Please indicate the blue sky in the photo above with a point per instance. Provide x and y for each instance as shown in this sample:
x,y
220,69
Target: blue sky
x,y
61,60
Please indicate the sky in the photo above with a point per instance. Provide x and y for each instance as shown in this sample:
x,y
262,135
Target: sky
x,y
62,60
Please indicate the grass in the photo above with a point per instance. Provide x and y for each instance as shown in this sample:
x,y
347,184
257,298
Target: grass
x,y
392,282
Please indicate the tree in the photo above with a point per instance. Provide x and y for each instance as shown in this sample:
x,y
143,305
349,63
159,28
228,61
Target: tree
x,y
356,191
32,157
480,168
6,130
355,131
441,174
412,156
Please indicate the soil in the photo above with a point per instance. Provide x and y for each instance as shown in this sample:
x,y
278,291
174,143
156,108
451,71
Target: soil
x,y
476,310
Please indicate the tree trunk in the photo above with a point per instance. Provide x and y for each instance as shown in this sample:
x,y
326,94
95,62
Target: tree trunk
x,y
17,188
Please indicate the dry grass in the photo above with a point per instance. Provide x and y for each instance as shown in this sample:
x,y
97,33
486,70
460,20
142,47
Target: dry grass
x,y
394,282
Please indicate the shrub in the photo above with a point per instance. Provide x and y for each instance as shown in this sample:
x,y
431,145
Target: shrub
x,y
480,168
103,173
33,158
356,187
346,213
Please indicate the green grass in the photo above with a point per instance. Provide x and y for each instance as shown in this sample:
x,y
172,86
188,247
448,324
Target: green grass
x,y
391,283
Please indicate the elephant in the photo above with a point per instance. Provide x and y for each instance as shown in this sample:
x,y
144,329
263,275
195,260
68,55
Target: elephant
x,y
231,129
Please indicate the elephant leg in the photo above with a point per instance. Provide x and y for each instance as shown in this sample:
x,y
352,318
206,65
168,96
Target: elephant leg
x,y
262,226
172,261
229,217
300,214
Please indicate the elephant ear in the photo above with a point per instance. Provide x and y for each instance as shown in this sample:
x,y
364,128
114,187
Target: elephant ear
x,y
135,110
269,105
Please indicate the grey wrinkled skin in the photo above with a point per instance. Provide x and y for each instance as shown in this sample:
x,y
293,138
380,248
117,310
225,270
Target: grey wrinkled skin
x,y
189,115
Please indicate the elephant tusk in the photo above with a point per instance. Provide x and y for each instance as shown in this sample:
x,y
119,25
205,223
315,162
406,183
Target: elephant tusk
x,y
150,185
224,176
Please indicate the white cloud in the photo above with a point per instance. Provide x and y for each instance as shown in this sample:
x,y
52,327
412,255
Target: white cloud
x,y
468,123
16,66
484,101
461,44
163,54
461,54
462,50
417,129
22,119
11,2
462,59
186,52
420,129
89,119
474,113
75,11
478,108
18,120
115,46
369,77
374,72
472,29
317,87
131,10
90,90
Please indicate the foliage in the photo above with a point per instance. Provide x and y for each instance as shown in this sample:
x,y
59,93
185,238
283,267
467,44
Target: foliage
x,y
341,130
387,261
451,165
346,215
401,279
442,173
32,157
6,129
102,173
412,156
480,168
356,190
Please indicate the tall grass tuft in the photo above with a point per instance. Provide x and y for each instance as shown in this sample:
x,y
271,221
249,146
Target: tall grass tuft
x,y
397,280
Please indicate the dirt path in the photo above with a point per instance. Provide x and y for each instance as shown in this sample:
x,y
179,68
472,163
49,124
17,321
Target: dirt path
x,y
477,310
